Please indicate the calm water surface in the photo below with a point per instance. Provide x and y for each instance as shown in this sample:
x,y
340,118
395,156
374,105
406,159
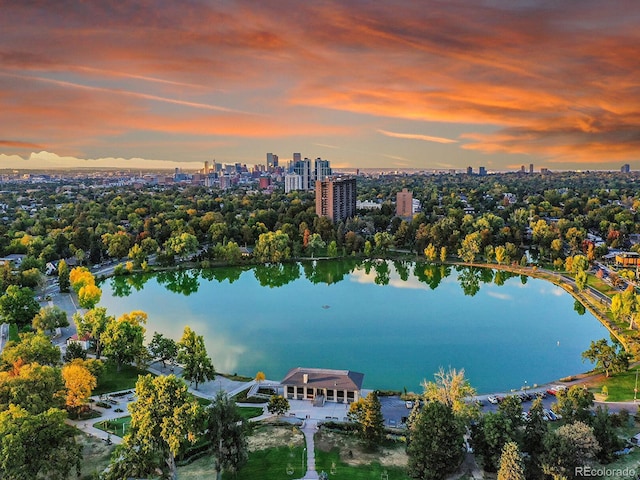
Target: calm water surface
x,y
395,322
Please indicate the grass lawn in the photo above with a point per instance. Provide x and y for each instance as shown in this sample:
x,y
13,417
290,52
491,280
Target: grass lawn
x,y
620,386
118,426
274,463
601,285
249,412
114,381
330,462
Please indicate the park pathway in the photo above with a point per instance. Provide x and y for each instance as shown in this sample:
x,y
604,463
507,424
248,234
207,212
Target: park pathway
x,y
309,429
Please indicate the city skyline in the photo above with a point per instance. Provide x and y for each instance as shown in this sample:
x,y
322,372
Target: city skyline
x,y
435,85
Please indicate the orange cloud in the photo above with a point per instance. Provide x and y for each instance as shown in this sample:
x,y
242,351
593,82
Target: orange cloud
x,y
557,81
413,136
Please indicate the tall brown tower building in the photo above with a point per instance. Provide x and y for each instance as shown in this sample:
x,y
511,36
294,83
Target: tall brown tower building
x,y
336,198
404,203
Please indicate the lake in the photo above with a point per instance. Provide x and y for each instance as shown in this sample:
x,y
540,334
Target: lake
x,y
397,322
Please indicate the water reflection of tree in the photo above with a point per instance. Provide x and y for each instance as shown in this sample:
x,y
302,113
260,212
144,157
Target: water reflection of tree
x,y
402,268
180,281
122,286
469,278
432,275
382,272
329,271
220,274
276,274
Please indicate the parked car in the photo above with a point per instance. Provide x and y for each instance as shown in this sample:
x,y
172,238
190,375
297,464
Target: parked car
x,y
492,399
550,415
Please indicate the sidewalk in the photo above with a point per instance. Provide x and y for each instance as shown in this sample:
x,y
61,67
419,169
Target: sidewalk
x,y
309,429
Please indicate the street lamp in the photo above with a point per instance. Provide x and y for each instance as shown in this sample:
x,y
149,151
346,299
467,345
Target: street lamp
x,y
304,451
635,390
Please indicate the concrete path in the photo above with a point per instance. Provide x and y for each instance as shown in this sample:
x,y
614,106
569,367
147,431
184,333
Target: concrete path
x,y
309,429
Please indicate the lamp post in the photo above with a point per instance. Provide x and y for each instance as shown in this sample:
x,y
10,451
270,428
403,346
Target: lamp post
x,y
635,390
304,451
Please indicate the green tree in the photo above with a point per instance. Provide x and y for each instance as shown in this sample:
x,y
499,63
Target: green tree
x,y
315,243
163,349
164,418
470,247
118,244
511,408
63,276
123,339
574,404
533,439
34,387
511,465
232,253
74,350
332,249
18,306
94,323
606,434
37,445
489,435
368,249
383,241
606,357
192,355
567,448
181,245
451,388
226,435
367,413
50,318
32,348
272,247
435,449
278,405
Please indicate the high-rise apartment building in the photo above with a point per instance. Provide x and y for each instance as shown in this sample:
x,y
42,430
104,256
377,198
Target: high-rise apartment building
x,y
482,171
404,203
336,198
303,168
322,169
531,168
626,168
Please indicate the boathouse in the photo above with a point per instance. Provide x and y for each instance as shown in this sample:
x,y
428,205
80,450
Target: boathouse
x,y
320,385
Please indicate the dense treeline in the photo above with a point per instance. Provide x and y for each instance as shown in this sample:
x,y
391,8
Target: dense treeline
x,y
467,215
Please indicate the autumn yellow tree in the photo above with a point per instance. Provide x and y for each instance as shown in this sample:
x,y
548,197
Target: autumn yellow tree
x,y
89,295
79,383
79,277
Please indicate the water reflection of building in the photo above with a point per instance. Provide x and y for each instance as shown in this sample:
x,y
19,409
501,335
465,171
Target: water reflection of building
x,y
323,385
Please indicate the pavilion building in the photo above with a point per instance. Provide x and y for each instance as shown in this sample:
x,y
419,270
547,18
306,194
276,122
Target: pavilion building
x,y
320,385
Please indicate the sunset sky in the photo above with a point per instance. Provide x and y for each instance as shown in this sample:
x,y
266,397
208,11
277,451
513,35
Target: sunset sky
x,y
397,84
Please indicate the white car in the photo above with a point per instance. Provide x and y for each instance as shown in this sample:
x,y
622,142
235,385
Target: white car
x,y
492,399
